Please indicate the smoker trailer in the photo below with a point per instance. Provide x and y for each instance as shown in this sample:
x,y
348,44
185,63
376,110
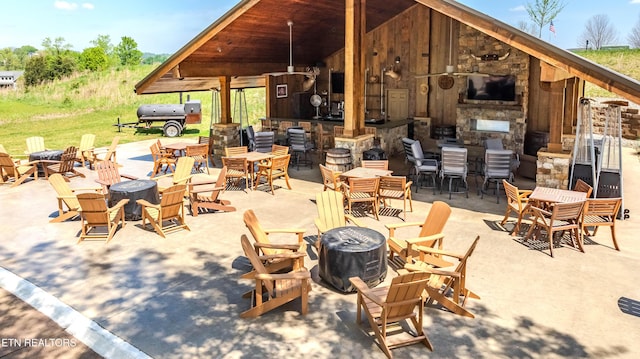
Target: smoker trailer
x,y
175,117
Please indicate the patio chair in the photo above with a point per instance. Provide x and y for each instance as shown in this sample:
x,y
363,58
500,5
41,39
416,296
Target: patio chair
x,y
408,152
517,202
395,187
266,125
205,194
35,144
263,245
65,166
19,171
251,137
264,141
107,154
200,155
386,307
331,213
497,167
377,164
168,216
362,190
85,150
279,150
430,235
181,175
324,141
562,217
236,150
94,213
443,281
108,174
454,167
276,168
330,178
582,186
237,169
162,162
422,166
273,290
67,197
300,146
600,212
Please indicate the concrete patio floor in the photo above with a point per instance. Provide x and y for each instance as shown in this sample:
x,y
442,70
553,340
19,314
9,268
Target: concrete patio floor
x,y
144,295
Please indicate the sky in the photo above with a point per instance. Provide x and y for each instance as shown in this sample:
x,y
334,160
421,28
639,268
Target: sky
x,y
164,26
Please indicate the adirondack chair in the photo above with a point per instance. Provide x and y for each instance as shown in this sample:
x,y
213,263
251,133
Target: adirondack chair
x,y
267,248
274,290
67,197
443,281
386,307
35,144
108,154
17,170
276,168
95,213
109,174
331,213
181,175
205,193
430,236
85,150
64,166
170,209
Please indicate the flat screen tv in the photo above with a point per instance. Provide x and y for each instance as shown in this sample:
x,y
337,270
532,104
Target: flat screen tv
x,y
337,82
491,88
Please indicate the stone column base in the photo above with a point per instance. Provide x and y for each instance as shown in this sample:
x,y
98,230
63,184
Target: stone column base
x,y
224,135
357,145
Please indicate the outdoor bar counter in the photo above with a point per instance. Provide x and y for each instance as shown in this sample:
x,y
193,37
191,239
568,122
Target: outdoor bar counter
x,y
389,132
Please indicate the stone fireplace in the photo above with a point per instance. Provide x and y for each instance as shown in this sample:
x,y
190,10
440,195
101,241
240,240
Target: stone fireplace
x,y
477,122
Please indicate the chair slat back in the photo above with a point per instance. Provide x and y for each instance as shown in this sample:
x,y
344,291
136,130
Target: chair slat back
x,y
364,185
2,149
284,126
569,211
249,251
297,139
108,173
329,178
6,163
279,150
280,163
338,131
86,142
454,161
35,144
199,150
236,164
264,141
436,219
583,186
172,201
405,292
230,151
266,124
604,207
306,126
259,235
377,164
68,159
330,206
497,163
392,183
93,207
111,151
63,191
408,151
183,170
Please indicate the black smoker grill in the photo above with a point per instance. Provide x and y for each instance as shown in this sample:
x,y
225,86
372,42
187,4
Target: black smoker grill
x,y
175,117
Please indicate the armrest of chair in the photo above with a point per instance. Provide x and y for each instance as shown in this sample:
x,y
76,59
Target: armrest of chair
x,y
424,267
408,185
288,255
392,227
441,252
364,290
96,189
145,203
118,205
300,275
524,193
293,247
193,189
298,231
131,177
435,237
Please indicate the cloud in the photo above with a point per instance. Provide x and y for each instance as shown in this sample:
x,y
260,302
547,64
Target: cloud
x,y
634,2
522,8
71,6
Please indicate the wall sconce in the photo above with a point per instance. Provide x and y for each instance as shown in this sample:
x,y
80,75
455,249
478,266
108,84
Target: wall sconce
x,y
397,59
394,71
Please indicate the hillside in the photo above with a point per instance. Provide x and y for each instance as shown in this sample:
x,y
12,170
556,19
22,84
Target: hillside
x,y
92,102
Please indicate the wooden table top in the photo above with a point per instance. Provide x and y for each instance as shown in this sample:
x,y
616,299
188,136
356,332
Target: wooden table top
x,y
546,194
366,172
178,146
253,156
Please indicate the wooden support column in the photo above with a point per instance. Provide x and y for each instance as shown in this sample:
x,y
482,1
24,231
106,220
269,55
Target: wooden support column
x,y
572,98
556,115
225,99
354,43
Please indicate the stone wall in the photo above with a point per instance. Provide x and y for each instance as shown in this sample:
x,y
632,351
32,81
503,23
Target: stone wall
x,y
224,135
512,140
357,145
553,169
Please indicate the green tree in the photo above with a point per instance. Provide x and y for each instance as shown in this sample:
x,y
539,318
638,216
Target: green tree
x,y
127,51
94,59
542,12
23,53
56,47
35,71
9,60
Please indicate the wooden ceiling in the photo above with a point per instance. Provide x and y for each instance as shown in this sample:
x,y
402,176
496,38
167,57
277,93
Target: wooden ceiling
x,y
253,38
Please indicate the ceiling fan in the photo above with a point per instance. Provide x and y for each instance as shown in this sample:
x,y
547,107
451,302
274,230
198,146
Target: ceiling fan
x,y
311,73
450,68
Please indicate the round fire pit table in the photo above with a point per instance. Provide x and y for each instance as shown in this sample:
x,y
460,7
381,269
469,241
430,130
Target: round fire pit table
x,y
134,190
48,155
352,251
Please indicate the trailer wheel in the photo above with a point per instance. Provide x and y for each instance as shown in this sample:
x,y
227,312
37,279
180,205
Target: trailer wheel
x,y
172,129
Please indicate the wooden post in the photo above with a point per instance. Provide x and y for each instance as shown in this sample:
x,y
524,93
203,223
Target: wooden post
x,y
355,26
225,99
556,114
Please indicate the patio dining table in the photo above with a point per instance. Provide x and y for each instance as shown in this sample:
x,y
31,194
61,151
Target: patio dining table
x,y
362,172
252,158
178,148
556,195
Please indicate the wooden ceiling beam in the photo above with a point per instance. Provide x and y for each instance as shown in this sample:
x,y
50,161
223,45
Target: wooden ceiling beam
x,y
215,69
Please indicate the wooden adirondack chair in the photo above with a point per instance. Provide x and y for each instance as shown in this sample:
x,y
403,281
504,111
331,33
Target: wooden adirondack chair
x,y
331,213
444,281
170,209
205,193
95,213
100,154
267,248
387,307
85,150
274,290
276,168
64,166
182,174
35,144
430,235
17,170
67,197
109,174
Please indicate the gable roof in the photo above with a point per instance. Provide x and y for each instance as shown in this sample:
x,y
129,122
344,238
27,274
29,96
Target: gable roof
x,y
253,38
